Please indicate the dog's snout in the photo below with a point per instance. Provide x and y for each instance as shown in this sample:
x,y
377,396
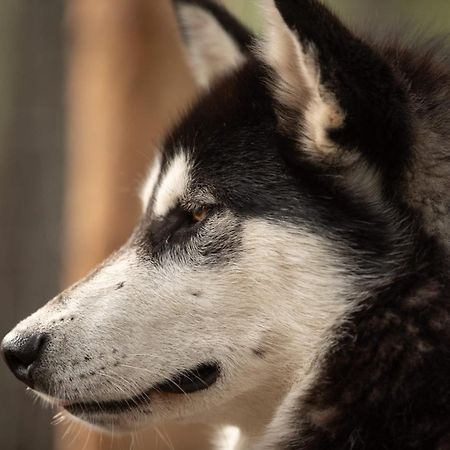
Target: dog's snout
x,y
22,353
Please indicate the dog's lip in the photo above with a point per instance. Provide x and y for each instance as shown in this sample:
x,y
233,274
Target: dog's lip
x,y
190,381
183,382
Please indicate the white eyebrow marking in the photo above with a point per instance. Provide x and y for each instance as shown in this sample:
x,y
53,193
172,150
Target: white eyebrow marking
x,y
174,184
150,183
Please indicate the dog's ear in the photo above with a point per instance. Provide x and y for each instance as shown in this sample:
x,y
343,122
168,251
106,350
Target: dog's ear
x,y
333,90
216,42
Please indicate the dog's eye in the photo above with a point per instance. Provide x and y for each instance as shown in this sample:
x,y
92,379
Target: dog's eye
x,y
200,214
177,226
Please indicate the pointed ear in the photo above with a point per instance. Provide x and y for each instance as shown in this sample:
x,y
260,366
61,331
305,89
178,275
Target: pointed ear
x,y
335,92
216,42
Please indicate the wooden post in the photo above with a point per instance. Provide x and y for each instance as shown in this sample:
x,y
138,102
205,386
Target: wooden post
x,y
127,80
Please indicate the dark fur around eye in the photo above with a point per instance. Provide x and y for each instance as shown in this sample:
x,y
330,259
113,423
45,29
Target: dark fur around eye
x,y
180,237
174,228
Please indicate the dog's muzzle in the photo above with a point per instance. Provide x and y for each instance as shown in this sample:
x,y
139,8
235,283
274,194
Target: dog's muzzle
x,y
23,354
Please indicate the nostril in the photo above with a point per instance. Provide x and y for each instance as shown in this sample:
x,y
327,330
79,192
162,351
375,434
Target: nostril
x,y
22,352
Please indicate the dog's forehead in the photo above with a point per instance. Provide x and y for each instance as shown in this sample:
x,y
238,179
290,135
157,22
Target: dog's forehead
x,y
225,146
170,182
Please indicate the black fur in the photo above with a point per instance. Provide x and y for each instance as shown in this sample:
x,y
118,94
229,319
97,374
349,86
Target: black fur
x,y
375,102
157,237
240,156
385,384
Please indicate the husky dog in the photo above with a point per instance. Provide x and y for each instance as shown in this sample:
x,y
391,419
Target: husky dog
x,y
289,275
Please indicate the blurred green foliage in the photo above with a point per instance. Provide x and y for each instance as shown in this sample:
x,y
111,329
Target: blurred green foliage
x,y
429,16
247,10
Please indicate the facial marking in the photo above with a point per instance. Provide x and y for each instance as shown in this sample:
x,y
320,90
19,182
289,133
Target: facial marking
x,y
173,185
150,183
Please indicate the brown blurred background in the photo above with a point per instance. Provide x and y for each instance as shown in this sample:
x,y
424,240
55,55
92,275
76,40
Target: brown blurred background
x,y
87,88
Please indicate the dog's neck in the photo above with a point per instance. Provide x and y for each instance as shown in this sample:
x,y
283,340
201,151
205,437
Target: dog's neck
x,y
386,382
253,410
401,332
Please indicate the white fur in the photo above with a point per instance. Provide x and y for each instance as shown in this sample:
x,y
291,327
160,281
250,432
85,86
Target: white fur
x,y
133,323
173,185
282,294
228,438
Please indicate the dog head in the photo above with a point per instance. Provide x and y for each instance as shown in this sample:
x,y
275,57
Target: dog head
x,y
249,248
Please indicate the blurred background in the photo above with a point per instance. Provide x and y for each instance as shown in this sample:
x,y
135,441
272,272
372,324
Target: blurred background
x,y
87,88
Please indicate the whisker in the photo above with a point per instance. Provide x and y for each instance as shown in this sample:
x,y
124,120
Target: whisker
x,y
165,378
87,439
164,439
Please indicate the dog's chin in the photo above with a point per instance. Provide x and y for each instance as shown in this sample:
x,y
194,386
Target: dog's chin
x,y
117,424
127,414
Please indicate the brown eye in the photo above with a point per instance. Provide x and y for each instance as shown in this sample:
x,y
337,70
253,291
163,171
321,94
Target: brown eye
x,y
200,214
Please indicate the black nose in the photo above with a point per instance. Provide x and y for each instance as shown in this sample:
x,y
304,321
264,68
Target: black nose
x,y
22,353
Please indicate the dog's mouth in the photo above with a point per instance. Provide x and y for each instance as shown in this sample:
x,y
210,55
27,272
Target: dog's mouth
x,y
185,382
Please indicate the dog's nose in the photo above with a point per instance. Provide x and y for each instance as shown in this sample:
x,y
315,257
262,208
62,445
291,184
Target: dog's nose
x,y
22,353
